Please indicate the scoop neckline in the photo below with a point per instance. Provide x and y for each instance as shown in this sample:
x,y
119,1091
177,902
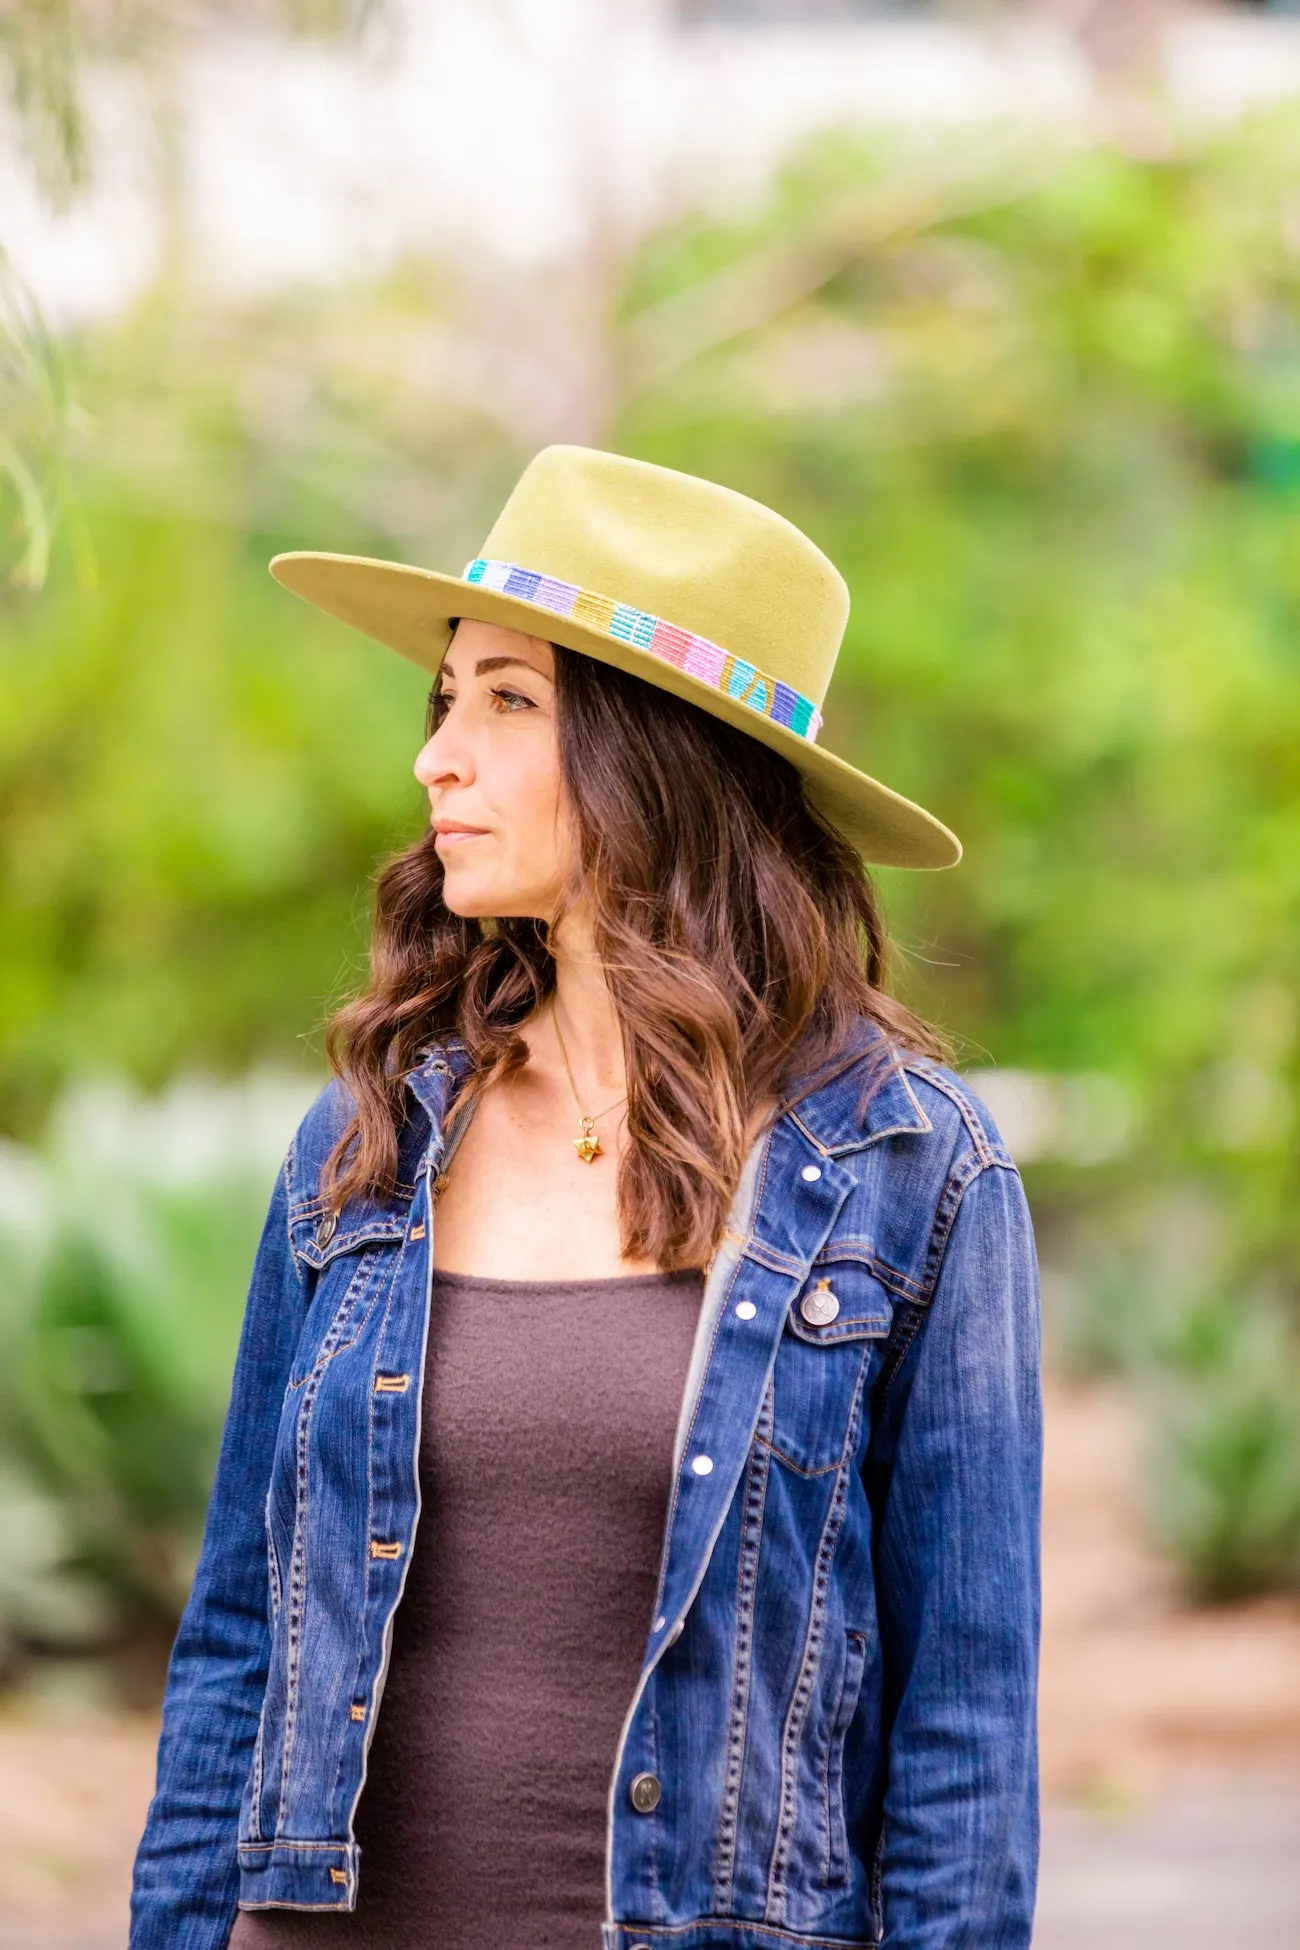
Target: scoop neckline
x,y
444,1275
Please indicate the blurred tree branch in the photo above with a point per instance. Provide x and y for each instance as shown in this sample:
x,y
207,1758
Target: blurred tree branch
x,y
44,48
1121,38
45,45
757,289
38,64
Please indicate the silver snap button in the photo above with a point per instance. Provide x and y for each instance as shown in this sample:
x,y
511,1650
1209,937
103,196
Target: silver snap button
x,y
701,1464
820,1306
659,1623
644,1792
810,1174
746,1309
327,1228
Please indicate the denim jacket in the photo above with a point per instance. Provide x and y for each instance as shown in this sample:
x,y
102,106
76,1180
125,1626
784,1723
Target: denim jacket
x,y
831,1741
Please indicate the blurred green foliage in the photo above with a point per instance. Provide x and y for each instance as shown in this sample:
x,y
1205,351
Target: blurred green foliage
x,y
1215,1366
124,1254
1042,407
1051,432
1223,1390
36,420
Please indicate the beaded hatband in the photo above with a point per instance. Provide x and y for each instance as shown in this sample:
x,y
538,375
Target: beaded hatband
x,y
694,654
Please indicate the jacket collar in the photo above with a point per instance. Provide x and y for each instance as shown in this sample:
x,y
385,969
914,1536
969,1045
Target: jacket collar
x,y
435,1081
862,1097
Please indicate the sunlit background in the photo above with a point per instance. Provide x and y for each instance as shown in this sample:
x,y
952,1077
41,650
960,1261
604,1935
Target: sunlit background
x,y
1002,305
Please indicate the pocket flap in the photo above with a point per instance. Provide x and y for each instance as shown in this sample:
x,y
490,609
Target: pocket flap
x,y
320,1236
840,1301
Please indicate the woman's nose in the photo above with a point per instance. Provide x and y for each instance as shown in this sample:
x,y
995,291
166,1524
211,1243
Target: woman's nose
x,y
442,760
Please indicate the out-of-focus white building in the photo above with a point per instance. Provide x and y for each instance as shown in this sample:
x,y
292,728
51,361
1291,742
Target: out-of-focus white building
x,y
518,128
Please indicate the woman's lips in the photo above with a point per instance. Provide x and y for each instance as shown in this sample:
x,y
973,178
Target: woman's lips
x,y
447,833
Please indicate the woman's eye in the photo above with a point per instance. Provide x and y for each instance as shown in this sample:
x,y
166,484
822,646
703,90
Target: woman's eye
x,y
512,700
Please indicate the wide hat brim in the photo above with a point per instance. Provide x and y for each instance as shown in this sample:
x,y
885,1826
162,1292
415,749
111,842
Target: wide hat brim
x,y
411,610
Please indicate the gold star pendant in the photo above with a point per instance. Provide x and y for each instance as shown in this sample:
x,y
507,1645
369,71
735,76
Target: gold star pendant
x,y
588,1146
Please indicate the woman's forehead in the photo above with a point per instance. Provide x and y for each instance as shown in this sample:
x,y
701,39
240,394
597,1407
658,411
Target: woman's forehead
x,y
474,643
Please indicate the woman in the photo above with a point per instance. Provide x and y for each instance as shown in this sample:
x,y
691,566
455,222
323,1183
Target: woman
x,y
647,1244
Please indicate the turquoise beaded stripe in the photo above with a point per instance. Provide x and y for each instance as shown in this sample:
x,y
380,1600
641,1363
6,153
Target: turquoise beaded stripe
x,y
693,654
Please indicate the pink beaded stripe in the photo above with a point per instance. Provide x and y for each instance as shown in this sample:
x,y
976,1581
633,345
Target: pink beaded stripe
x,y
693,654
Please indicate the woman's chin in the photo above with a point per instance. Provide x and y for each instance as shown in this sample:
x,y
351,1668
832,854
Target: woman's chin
x,y
474,900
470,903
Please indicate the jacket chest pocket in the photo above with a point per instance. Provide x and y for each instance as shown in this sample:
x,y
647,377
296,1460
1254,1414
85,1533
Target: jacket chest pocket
x,y
353,1266
834,1331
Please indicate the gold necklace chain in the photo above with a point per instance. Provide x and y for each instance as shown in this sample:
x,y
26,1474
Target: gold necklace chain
x,y
587,1145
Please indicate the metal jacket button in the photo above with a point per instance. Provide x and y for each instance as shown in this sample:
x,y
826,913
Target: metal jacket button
x,y
644,1792
327,1228
820,1306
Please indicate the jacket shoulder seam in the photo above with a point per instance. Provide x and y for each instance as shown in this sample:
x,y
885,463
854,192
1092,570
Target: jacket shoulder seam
x,y
986,1150
916,1305
289,1171
950,1201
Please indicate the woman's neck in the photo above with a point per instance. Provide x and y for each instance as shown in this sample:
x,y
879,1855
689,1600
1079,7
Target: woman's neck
x,y
584,1009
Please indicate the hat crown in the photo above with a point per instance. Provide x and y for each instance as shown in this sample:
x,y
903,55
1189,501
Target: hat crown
x,y
696,554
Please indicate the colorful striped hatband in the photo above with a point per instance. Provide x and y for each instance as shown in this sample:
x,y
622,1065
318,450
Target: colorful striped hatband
x,y
693,654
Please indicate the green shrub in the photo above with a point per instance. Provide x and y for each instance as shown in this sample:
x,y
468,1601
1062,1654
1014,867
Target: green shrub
x,y
1224,1393
1096,1316
124,1258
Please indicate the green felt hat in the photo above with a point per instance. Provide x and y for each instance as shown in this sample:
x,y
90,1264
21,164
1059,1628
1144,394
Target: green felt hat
x,y
684,583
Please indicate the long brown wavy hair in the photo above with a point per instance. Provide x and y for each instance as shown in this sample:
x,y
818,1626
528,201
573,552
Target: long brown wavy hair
x,y
740,937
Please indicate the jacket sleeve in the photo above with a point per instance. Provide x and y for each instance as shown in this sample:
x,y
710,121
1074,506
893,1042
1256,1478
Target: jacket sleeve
x,y
958,1592
186,1875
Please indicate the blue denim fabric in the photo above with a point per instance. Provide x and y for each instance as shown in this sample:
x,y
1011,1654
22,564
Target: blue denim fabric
x,y
837,1696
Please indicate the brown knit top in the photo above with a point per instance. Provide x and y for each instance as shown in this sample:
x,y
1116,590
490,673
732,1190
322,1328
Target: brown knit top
x,y
545,1468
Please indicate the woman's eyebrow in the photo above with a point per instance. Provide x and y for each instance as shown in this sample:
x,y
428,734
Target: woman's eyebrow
x,y
485,664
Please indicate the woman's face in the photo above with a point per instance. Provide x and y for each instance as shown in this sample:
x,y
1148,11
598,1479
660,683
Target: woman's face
x,y
492,773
